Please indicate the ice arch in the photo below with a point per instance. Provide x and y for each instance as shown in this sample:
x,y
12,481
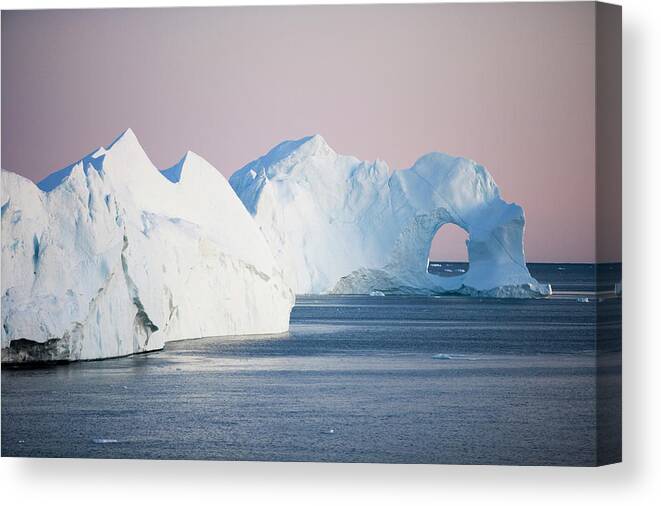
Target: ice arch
x,y
338,224
447,251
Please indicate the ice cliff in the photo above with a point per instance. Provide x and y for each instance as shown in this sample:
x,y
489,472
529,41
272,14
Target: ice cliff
x,y
110,256
340,225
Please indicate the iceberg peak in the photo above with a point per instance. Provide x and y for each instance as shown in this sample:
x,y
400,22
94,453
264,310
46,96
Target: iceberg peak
x,y
191,164
296,150
127,137
316,144
127,148
125,152
249,181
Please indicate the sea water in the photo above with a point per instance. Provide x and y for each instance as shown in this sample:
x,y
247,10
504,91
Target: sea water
x,y
357,379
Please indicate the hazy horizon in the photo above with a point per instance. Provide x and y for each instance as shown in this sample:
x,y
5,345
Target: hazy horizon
x,y
508,85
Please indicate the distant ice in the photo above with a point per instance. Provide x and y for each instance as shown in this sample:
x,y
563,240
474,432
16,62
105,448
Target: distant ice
x,y
454,356
442,356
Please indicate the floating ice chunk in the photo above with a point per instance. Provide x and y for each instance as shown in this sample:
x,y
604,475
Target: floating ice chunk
x,y
329,431
582,299
104,441
442,356
377,293
456,356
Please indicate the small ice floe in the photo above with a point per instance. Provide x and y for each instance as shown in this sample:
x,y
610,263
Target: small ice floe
x,y
562,268
329,431
377,293
104,441
582,299
448,270
461,270
454,356
442,356
21,441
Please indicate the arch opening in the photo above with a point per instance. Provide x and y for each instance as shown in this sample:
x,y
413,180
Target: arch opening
x,y
448,253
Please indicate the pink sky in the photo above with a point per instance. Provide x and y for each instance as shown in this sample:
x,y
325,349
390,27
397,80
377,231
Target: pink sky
x,y
511,86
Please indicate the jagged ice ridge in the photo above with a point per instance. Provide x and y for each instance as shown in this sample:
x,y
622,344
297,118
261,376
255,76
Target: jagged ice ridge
x,y
109,257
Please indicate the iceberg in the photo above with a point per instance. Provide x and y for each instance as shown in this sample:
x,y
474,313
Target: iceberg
x,y
337,224
110,256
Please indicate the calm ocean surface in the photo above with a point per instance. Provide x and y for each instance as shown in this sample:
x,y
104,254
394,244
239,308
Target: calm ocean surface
x,y
357,379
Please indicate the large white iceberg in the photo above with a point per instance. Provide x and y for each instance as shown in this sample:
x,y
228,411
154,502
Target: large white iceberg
x,y
337,224
110,257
